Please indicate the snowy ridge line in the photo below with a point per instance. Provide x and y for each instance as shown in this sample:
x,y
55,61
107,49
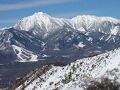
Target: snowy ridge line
x,y
82,70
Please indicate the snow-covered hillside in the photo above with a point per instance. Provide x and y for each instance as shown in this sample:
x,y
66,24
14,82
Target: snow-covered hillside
x,y
76,75
24,55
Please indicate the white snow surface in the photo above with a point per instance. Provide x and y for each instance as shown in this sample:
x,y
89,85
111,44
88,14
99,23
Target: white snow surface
x,y
81,45
24,55
83,23
79,73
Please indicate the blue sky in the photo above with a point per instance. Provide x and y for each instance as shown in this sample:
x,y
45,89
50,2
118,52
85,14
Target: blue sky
x,y
13,10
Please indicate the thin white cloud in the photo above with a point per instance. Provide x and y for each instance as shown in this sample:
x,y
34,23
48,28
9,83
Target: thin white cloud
x,y
8,21
33,3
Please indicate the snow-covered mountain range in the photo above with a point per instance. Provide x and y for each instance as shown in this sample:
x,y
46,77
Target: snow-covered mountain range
x,y
43,34
45,39
75,76
47,24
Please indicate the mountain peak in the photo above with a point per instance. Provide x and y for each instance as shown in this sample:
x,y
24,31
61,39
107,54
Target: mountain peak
x,y
37,19
95,18
40,14
42,21
92,23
